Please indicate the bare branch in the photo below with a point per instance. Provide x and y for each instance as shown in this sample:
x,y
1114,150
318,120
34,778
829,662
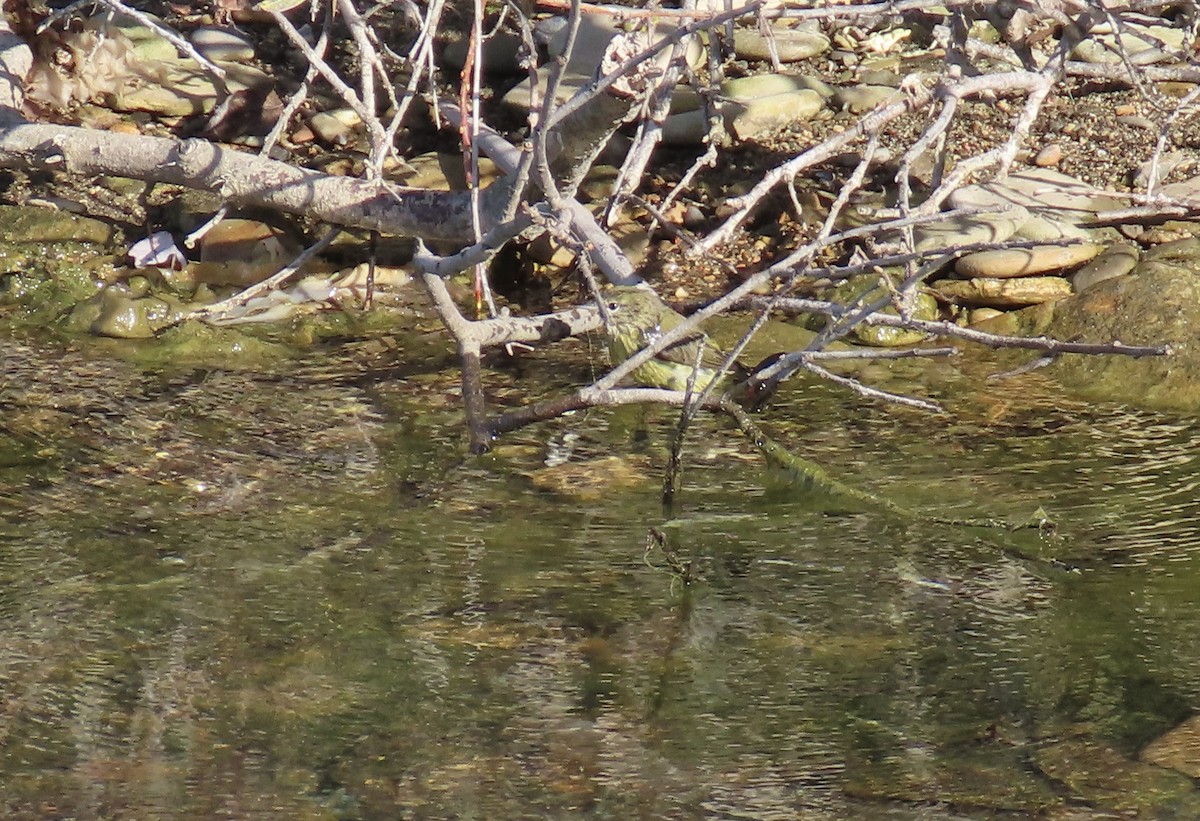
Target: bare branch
x,y
239,178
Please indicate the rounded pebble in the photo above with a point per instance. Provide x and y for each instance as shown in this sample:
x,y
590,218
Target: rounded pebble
x,y
791,45
1003,293
222,45
978,315
1050,155
765,114
1117,260
1022,262
334,127
860,98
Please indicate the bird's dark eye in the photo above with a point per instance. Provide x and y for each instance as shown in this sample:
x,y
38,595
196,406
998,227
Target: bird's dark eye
x,y
614,306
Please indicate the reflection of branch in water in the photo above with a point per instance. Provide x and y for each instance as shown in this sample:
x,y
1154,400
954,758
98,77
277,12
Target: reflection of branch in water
x,y
943,328
684,572
811,477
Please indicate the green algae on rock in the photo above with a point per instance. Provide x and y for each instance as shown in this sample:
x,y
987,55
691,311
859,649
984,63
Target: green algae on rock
x,y
27,228
48,263
198,343
1158,302
118,311
866,289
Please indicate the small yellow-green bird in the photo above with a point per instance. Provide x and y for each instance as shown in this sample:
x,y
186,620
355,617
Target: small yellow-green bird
x,y
640,318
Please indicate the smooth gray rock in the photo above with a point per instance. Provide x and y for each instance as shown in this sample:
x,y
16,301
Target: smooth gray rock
x,y
791,44
967,230
222,45
765,114
1043,191
1116,261
1023,262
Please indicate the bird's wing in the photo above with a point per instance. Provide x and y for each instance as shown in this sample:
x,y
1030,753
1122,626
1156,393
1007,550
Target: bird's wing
x,y
683,351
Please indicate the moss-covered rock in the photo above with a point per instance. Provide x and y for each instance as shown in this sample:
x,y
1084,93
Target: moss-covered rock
x,y
120,312
865,289
1158,302
49,262
27,230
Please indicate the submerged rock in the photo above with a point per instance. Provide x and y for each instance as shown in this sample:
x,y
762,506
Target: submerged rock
x,y
992,777
1103,777
36,227
867,289
242,252
590,480
51,261
1177,749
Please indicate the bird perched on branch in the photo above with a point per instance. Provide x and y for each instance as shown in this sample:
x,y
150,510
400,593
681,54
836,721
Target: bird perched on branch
x,y
639,318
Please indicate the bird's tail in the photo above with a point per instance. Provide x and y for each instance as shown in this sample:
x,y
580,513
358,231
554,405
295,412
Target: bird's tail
x,y
751,390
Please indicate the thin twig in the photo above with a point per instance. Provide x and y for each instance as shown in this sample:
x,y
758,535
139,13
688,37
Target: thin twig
x,y
218,309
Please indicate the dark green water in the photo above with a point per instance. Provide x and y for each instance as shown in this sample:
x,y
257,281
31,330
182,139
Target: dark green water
x,y
294,597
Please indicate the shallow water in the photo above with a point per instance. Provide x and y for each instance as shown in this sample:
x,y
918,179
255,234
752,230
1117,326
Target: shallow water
x,y
293,596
